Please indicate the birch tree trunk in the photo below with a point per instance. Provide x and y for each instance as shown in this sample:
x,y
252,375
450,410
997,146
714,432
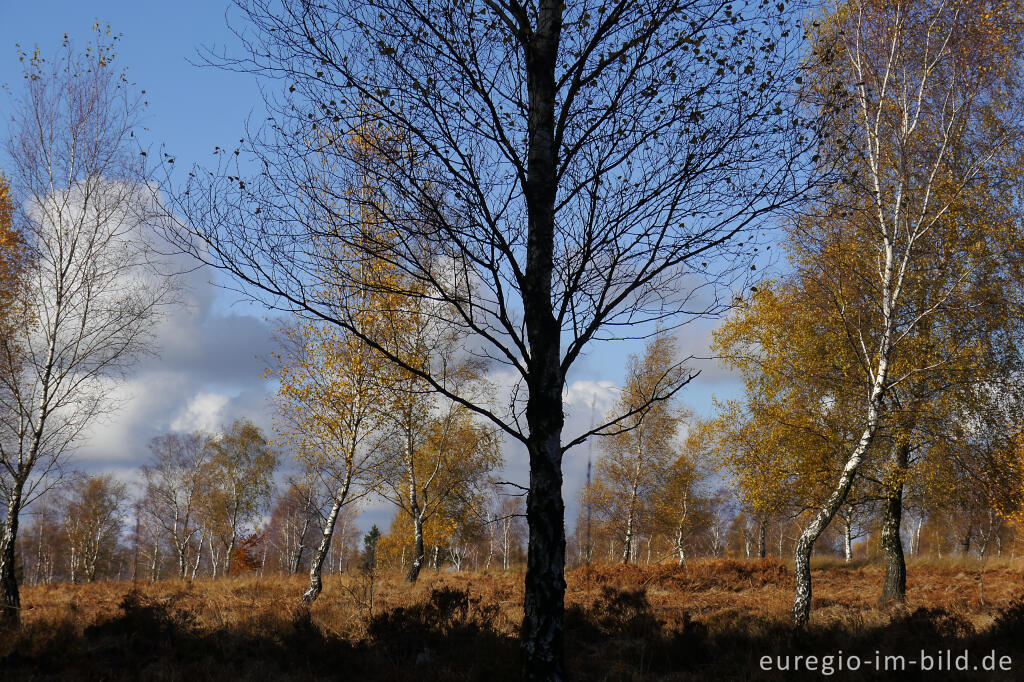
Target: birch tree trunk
x,y
182,561
544,603
490,544
156,561
681,530
229,549
214,559
542,634
810,535
10,598
894,587
506,543
418,552
915,108
627,545
296,560
199,555
316,565
847,540
679,545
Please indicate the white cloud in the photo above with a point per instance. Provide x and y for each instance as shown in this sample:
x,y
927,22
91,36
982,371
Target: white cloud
x,y
207,370
203,413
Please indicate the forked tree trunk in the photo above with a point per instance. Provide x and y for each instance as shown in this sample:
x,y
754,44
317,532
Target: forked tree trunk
x,y
894,587
182,563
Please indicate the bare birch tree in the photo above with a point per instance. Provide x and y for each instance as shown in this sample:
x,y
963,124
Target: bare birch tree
x,y
174,481
294,522
594,168
92,299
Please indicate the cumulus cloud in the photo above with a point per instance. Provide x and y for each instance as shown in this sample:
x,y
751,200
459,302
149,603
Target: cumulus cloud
x,y
203,413
207,370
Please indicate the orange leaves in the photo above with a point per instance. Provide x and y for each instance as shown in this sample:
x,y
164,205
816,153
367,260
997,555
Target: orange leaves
x,y
14,261
247,554
12,247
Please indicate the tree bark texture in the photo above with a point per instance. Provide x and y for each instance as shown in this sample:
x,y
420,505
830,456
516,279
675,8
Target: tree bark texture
x,y
544,595
10,597
419,554
894,587
316,584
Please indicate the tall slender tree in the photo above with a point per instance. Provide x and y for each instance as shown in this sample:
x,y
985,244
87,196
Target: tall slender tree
x,y
900,247
174,483
330,397
638,456
92,297
238,479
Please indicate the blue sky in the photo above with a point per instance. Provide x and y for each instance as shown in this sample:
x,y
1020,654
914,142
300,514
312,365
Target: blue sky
x,y
191,109
210,370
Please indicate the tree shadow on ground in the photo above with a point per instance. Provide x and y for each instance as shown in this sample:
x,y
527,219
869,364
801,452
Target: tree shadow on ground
x,y
453,636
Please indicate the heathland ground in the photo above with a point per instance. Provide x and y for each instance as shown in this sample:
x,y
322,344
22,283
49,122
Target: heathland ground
x,y
705,620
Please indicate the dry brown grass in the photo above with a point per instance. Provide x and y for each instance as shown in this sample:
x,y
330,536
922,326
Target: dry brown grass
x,y
707,620
843,594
